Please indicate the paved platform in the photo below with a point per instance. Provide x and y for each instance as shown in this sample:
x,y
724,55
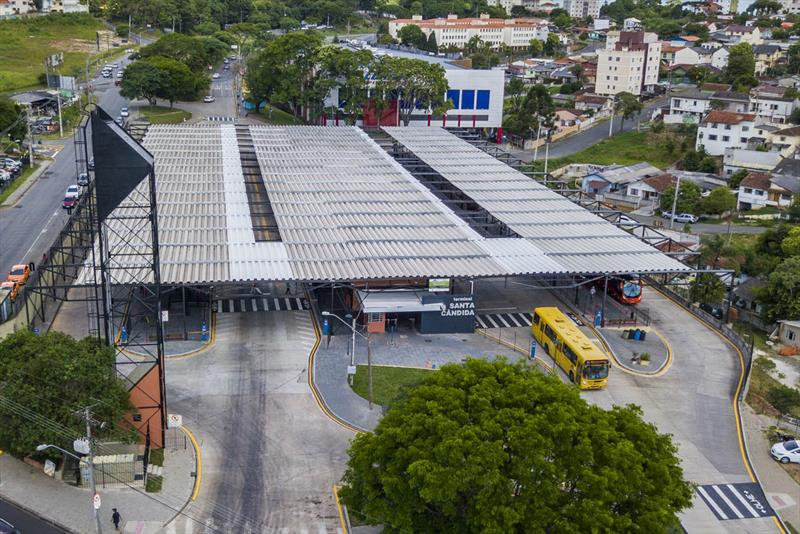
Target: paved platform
x,y
627,352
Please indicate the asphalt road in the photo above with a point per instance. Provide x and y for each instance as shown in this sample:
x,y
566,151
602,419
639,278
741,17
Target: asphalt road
x,y
31,226
589,137
704,228
25,522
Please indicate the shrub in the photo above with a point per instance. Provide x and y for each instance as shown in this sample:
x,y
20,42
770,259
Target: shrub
x,y
784,398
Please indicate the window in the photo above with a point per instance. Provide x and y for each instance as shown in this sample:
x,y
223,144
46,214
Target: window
x,y
745,128
453,94
748,190
483,100
712,137
549,333
701,135
714,125
790,335
468,99
726,138
743,139
759,192
727,126
535,318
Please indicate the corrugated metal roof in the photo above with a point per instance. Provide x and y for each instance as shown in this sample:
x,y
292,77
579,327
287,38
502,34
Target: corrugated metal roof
x,y
573,238
346,210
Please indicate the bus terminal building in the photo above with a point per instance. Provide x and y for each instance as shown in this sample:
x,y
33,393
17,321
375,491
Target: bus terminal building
x,y
401,223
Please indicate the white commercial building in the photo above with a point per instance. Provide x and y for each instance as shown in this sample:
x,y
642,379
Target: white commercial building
x,y
771,108
453,31
629,63
64,6
10,8
580,9
725,129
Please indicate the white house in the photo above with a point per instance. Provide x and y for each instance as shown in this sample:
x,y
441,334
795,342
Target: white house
x,y
687,56
737,159
789,333
744,34
688,107
10,8
632,24
724,129
759,189
772,108
719,58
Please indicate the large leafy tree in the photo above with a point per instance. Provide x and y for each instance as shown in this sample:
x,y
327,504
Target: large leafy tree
x,y
143,80
781,296
629,105
414,82
54,375
719,201
488,447
688,198
707,289
412,35
161,77
196,52
741,67
12,120
347,70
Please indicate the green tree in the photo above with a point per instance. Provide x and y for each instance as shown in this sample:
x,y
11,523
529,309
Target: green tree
x,y
791,243
629,105
552,45
794,210
13,120
54,375
344,69
535,48
719,201
562,21
143,80
793,58
707,289
688,198
737,177
781,296
431,45
719,252
196,52
495,448
741,64
414,82
764,7
717,105
412,35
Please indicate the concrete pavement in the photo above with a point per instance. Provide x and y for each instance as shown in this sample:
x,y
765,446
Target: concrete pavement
x,y
270,455
704,228
25,521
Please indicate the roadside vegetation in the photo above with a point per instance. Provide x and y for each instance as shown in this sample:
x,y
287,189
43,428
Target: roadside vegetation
x,y
389,384
498,447
16,184
162,115
25,42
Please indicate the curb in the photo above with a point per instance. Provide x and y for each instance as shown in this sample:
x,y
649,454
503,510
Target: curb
x,y
196,488
653,374
27,510
17,195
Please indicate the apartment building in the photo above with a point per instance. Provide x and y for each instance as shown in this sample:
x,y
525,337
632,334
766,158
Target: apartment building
x,y
771,108
11,8
580,9
64,6
725,129
629,63
516,33
790,7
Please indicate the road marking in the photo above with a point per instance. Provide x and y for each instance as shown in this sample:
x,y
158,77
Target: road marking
x,y
198,462
727,501
711,503
44,231
741,500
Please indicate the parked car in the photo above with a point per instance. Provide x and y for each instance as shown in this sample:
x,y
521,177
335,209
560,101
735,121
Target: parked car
x,y
786,451
124,112
216,76
69,202
119,120
91,164
19,274
13,289
73,191
6,527
227,67
666,214
83,179
120,74
686,218
713,309
624,220
208,99
5,176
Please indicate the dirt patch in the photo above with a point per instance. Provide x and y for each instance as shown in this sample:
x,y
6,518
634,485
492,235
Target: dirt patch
x,y
74,45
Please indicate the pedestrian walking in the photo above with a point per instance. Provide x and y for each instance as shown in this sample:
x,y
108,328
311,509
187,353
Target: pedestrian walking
x,y
116,518
592,291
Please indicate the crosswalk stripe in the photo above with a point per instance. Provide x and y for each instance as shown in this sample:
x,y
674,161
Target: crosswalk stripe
x,y
525,318
711,503
512,318
728,502
741,500
480,322
256,304
499,317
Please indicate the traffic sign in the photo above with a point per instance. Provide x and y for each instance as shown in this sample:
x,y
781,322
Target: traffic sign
x,y
96,501
174,420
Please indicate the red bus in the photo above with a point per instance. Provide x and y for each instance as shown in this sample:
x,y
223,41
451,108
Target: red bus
x,y
626,288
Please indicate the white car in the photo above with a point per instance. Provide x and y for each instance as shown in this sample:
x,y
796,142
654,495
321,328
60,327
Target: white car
x,y
73,191
83,179
216,76
120,74
124,112
787,451
208,99
624,220
686,218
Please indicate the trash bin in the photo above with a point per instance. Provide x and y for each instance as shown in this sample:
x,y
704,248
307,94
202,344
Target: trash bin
x,y
636,334
643,335
626,334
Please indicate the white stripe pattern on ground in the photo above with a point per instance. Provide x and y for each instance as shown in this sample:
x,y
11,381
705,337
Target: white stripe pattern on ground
x,y
504,320
743,501
725,499
709,501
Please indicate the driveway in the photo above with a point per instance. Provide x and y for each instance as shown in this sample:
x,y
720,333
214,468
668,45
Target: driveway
x,y
269,454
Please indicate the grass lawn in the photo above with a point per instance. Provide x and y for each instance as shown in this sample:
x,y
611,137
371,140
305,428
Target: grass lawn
x,y
154,483
26,173
388,383
273,115
625,149
24,43
162,115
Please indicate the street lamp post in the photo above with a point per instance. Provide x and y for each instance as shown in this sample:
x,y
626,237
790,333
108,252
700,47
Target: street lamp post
x,y
353,352
95,511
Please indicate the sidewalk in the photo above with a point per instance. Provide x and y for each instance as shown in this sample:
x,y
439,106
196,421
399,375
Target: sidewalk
x,y
781,490
409,350
70,507
623,349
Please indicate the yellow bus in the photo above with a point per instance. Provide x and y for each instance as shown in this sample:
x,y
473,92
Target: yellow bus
x,y
586,365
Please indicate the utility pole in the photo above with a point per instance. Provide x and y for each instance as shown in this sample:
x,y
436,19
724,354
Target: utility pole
x,y
60,120
86,415
611,122
675,202
369,370
30,136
